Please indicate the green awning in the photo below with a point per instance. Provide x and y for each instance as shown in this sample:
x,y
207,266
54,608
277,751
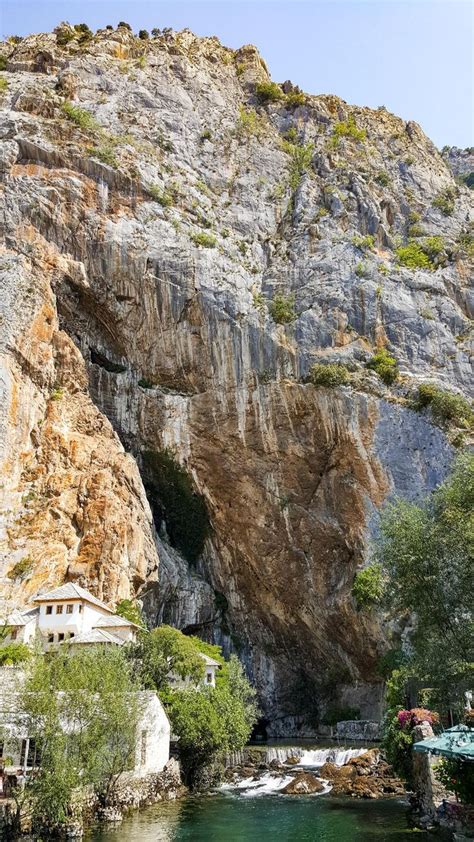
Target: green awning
x,y
457,742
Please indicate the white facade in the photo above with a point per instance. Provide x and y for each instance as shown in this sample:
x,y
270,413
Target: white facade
x,y
153,737
69,614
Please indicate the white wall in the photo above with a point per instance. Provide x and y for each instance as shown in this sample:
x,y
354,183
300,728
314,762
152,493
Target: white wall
x,y
153,737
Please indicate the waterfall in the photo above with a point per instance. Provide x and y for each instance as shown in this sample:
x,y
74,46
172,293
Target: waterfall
x,y
310,757
338,756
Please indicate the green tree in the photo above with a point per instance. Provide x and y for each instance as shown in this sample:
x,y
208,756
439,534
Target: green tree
x,y
82,710
162,652
426,551
130,610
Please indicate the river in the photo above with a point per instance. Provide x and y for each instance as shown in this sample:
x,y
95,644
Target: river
x,y
231,817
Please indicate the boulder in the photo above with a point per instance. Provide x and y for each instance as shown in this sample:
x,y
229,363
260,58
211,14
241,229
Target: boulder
x,y
303,783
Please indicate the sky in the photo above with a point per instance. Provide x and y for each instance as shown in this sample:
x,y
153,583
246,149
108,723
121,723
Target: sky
x,y
415,57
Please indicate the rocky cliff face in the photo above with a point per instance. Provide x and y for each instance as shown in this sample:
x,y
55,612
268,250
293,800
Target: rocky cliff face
x,y
158,208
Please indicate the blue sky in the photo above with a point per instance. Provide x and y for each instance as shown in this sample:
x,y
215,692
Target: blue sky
x,y
414,57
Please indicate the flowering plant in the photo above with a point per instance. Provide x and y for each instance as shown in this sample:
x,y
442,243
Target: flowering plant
x,y
410,718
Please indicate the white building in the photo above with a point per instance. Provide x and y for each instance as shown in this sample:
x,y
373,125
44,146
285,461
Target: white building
x,y
69,613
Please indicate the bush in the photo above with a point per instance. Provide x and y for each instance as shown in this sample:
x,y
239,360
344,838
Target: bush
x,y
249,122
105,154
282,309
176,502
445,405
130,610
444,201
3,85
458,777
364,243
384,365
328,374
79,116
123,25
300,161
144,35
295,99
3,62
383,179
14,653
360,269
368,586
202,238
163,198
433,247
268,92
348,128
413,256
22,568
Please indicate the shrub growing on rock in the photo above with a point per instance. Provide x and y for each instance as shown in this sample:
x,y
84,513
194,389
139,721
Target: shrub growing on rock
x,y
22,568
445,405
268,92
104,154
458,777
444,201
368,586
202,238
163,198
79,116
329,374
384,365
413,256
348,128
365,243
282,309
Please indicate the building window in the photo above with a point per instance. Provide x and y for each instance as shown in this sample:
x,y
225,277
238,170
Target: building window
x,y
69,609
49,609
209,677
60,637
143,745
13,634
80,608
71,634
51,638
59,609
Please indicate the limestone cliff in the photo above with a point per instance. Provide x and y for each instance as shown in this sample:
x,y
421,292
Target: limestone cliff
x,y
161,201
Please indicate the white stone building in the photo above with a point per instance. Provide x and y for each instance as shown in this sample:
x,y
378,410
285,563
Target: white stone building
x,y
69,613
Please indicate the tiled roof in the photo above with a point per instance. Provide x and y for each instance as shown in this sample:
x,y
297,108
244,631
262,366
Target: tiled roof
x,y
71,591
96,636
114,621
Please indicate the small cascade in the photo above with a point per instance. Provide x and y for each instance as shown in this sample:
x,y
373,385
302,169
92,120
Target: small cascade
x,y
339,757
281,754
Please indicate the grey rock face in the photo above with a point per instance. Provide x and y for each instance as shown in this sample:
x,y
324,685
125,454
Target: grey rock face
x,y
164,208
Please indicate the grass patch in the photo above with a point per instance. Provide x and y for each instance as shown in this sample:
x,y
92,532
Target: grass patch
x,y
202,238
282,309
175,501
444,201
445,406
413,256
328,374
295,99
347,128
163,198
105,154
365,243
79,116
384,365
382,178
249,122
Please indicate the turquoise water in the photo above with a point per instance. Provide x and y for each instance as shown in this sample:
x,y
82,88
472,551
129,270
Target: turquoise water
x,y
236,818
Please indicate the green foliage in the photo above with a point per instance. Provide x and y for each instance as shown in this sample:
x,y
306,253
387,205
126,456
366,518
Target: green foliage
x,y
360,269
433,247
105,154
79,116
446,406
206,135
162,652
413,256
365,243
294,99
130,610
300,161
426,554
3,85
268,92
3,62
458,777
444,201
335,714
465,241
347,128
465,178
415,231
175,500
202,238
258,300
144,383
368,587
384,365
249,122
12,654
144,35
388,663
56,394
328,374
82,713
383,179
22,568
282,309
397,745
210,722
163,198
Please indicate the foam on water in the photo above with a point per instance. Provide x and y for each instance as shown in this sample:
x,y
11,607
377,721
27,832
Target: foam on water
x,y
267,784
337,756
